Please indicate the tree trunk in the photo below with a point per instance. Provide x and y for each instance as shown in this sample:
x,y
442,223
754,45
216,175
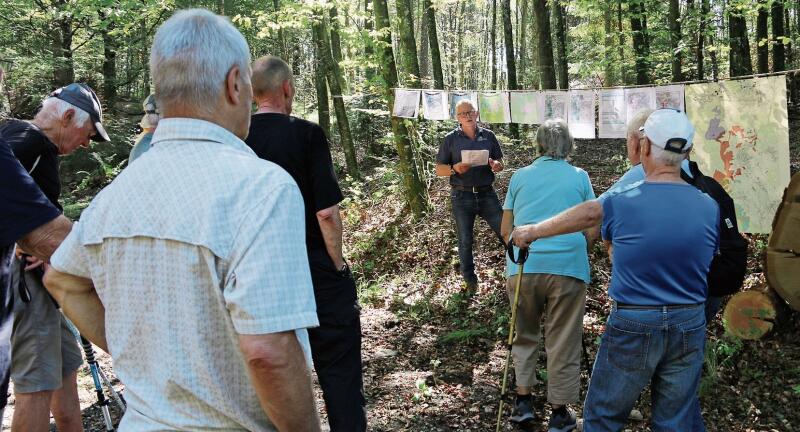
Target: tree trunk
x,y
416,194
675,39
281,51
511,64
109,61
523,45
423,47
336,41
762,37
548,74
740,61
323,104
408,43
749,314
63,67
493,46
640,44
778,50
334,78
368,44
560,13
701,37
609,78
221,7
433,40
623,72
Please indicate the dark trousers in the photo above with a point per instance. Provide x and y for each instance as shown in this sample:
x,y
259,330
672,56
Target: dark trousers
x,y
466,207
336,344
6,323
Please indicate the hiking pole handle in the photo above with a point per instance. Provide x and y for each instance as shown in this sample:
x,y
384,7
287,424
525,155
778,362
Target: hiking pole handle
x,y
521,257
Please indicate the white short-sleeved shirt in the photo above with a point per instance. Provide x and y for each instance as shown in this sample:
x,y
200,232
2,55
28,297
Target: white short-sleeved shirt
x,y
195,243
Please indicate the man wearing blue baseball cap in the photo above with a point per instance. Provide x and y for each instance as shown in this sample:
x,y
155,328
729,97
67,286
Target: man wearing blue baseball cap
x,y
664,233
45,355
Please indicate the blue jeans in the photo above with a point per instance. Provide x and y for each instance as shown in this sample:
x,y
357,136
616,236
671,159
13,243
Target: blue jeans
x,y
466,206
712,307
662,347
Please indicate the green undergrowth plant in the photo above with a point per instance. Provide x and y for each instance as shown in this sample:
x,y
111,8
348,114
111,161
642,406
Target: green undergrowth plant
x,y
719,353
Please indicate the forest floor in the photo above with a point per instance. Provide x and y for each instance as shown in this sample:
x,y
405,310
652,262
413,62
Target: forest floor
x,y
433,356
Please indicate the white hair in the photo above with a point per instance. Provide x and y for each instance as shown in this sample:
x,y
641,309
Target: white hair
x,y
554,139
192,53
54,108
665,157
466,101
637,121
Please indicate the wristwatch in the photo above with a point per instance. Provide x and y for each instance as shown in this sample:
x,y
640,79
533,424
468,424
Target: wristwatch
x,y
452,170
345,269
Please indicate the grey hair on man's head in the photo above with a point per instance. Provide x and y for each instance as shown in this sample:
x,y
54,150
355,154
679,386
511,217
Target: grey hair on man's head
x,y
192,53
269,74
664,157
635,123
54,108
466,101
554,139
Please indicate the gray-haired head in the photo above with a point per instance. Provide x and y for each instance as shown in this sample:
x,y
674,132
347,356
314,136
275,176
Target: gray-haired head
x,y
635,123
192,53
554,139
269,75
466,101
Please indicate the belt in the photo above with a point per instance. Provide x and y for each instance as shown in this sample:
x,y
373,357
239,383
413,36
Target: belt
x,y
662,307
473,189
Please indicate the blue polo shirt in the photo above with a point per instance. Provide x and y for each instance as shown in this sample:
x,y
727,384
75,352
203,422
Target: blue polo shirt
x,y
664,236
450,154
633,175
537,192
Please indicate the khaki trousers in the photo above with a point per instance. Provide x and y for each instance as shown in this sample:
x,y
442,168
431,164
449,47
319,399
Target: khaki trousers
x,y
561,300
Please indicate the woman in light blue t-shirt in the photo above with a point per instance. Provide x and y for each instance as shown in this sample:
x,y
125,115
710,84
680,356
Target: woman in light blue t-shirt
x,y
554,276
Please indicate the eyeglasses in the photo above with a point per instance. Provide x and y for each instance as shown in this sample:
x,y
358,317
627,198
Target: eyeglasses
x,y
465,114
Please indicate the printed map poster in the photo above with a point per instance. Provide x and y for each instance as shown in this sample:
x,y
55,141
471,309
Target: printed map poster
x,y
554,105
613,121
581,113
406,103
493,107
525,107
458,96
434,105
742,140
637,99
670,96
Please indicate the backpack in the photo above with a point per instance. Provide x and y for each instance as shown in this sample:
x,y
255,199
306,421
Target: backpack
x,y
729,266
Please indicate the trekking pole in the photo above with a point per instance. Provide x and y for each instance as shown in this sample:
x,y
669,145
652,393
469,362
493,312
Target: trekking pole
x,y
94,368
520,261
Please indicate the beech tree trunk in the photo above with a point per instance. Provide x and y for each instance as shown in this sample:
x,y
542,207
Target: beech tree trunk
x,y
511,64
640,43
323,104
675,39
701,37
546,69
109,61
778,32
762,37
63,67
740,61
609,77
416,194
561,47
334,77
408,43
493,45
433,40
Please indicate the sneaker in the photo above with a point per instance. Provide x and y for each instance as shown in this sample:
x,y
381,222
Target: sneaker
x,y
562,422
523,411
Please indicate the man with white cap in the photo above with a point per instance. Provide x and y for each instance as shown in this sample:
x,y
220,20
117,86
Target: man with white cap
x,y
664,234
45,354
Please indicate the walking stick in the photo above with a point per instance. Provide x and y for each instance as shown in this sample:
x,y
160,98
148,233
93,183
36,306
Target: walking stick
x,y
520,261
99,379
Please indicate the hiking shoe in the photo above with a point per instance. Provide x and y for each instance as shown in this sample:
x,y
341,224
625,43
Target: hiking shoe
x,y
523,411
562,421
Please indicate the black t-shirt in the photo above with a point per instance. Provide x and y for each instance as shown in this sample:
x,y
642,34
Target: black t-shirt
x,y
23,208
301,148
37,154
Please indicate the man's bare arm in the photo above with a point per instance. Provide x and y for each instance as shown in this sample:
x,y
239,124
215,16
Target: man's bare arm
x,y
80,303
577,218
281,379
44,240
443,170
507,224
330,223
591,234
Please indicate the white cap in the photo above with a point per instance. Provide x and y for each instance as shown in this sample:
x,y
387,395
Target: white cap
x,y
669,129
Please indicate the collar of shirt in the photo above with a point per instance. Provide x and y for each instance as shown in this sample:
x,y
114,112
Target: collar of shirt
x,y
189,129
478,132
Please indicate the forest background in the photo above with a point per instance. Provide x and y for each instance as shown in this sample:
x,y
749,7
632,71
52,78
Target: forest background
x,y
433,356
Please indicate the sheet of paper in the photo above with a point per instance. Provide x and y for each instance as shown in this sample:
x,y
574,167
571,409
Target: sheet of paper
x,y
612,122
493,107
406,103
581,113
475,157
525,107
638,99
457,96
670,96
434,105
554,105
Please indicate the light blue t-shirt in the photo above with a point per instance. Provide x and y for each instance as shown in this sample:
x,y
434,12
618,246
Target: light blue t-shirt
x,y
664,236
633,175
537,192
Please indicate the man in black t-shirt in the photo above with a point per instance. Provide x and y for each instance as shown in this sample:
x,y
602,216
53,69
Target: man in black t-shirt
x,y
301,148
45,355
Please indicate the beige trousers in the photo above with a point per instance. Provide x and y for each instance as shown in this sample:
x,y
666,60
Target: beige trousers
x,y
561,300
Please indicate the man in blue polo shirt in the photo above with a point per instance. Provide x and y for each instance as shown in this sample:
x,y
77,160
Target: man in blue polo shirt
x,y
664,234
470,155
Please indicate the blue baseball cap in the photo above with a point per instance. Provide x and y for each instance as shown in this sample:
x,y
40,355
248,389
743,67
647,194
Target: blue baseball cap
x,y
83,97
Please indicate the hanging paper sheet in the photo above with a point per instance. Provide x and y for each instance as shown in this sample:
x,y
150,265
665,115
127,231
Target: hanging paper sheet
x,y
525,107
406,103
493,107
612,122
742,140
554,105
670,96
458,96
434,105
581,113
638,99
